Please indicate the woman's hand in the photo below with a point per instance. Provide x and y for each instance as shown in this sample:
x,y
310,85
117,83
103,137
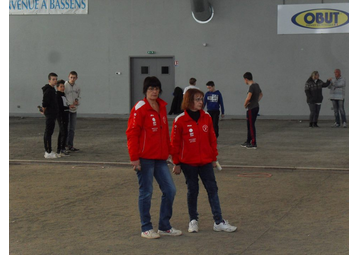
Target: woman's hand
x,y
176,169
136,165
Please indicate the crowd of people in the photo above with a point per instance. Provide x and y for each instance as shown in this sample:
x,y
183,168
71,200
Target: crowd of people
x,y
60,104
192,146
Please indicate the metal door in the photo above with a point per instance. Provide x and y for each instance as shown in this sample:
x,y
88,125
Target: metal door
x,y
161,67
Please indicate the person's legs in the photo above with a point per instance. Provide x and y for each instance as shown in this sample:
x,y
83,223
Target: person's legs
x,y
335,104
65,130
192,182
248,140
71,128
252,116
166,184
60,134
342,111
316,114
145,180
215,117
312,113
207,176
50,127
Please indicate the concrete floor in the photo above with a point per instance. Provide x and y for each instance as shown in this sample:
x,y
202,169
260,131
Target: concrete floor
x,y
290,196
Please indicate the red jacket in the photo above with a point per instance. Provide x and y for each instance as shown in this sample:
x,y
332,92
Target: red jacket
x,y
193,143
148,132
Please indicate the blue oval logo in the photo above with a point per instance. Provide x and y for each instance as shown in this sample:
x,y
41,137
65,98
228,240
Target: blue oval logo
x,y
321,18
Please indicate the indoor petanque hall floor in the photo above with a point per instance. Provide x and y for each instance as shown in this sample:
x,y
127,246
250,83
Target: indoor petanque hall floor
x,y
290,196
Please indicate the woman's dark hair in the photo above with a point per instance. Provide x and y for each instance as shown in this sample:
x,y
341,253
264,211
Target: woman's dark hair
x,y
151,81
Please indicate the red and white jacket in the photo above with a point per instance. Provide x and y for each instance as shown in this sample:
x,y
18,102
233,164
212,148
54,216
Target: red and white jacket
x,y
148,132
193,143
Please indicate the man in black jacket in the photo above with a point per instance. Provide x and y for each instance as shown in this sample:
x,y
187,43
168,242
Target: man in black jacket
x,y
50,109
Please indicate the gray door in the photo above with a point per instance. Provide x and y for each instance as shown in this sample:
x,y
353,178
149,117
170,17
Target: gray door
x,y
161,67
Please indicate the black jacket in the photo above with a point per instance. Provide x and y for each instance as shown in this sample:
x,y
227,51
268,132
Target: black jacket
x,y
63,110
177,100
49,100
314,90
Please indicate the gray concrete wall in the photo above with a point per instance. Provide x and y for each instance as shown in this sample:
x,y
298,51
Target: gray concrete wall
x,y
241,37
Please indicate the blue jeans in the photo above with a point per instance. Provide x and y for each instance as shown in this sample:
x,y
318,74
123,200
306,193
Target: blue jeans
x,y
71,128
159,169
207,176
338,107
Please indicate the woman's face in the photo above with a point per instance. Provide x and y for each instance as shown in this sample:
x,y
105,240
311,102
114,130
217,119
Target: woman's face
x,y
152,93
316,77
198,102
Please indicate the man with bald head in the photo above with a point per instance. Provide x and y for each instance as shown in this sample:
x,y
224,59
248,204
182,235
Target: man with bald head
x,y
337,95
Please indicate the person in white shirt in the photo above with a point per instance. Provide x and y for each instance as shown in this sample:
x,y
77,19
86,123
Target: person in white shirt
x,y
72,92
192,83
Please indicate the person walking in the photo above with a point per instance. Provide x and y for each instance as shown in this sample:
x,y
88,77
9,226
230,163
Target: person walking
x,y
148,148
194,151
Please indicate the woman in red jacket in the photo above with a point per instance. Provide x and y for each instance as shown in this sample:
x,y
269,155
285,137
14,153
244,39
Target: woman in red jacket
x,y
148,147
193,150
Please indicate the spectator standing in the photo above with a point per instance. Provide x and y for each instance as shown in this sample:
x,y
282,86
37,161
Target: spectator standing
x,y
72,92
50,110
194,151
254,95
337,95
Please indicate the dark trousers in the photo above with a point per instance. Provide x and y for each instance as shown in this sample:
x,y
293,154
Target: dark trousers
x,y
62,121
251,116
207,176
215,117
314,109
50,127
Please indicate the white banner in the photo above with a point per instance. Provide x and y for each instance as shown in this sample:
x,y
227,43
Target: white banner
x,y
313,18
22,7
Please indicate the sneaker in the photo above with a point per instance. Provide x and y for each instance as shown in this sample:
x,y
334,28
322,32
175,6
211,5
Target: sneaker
x,y
244,144
170,232
73,149
315,125
193,226
336,124
251,147
64,153
344,124
224,226
50,155
150,234
218,166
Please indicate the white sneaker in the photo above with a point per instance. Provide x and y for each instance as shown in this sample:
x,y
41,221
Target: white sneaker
x,y
50,155
150,234
218,166
344,124
193,226
170,232
335,124
224,226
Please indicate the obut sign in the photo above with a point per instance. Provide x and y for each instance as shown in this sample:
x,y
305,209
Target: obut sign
x,y
313,18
